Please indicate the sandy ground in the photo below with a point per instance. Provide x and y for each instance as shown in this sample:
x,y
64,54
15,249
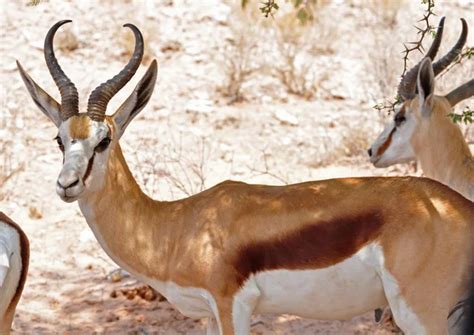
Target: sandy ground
x,y
188,138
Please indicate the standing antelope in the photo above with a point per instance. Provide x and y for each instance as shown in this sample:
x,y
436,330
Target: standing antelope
x,y
327,250
421,129
14,257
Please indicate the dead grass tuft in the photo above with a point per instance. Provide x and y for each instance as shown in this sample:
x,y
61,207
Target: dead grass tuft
x,y
298,45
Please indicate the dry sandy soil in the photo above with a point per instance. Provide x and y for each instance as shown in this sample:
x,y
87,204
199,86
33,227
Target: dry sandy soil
x,y
196,131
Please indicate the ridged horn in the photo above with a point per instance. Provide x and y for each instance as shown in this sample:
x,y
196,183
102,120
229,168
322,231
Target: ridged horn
x,y
69,95
100,97
461,93
407,86
443,63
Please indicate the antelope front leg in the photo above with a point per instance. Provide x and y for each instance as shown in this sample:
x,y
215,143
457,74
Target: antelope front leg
x,y
212,327
244,304
235,312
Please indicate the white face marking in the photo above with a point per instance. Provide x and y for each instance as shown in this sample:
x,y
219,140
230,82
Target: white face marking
x,y
399,134
77,155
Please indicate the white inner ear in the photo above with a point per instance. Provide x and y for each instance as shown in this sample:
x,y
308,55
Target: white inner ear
x,y
425,84
122,117
4,262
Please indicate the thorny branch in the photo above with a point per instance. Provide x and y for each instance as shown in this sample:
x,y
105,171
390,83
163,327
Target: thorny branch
x,y
422,31
389,105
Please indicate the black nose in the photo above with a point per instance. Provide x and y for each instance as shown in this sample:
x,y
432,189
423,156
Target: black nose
x,y
370,152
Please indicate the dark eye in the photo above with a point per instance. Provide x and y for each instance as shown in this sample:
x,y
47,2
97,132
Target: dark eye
x,y
399,119
60,143
102,145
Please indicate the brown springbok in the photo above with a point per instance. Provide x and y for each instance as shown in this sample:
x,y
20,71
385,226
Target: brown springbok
x,y
328,249
14,260
423,131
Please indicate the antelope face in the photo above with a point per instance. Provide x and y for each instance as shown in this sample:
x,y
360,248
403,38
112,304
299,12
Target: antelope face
x,y
84,144
85,139
393,144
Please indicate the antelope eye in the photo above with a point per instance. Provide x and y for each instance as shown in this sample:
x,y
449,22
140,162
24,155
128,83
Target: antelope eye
x,y
399,119
102,145
60,143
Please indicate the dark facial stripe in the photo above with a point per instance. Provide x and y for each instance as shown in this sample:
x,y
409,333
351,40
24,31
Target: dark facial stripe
x,y
386,144
315,246
89,168
25,259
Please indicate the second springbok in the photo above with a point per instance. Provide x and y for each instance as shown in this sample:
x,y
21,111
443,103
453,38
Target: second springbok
x,y
423,131
14,261
326,250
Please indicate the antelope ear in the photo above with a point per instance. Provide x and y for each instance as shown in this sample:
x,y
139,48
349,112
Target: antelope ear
x,y
137,100
425,84
4,263
47,104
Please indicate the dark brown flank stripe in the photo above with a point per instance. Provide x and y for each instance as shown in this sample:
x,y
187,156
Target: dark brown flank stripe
x,y
89,168
25,257
315,246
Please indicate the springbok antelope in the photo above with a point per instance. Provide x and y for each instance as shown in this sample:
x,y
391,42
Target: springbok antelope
x,y
327,249
421,129
14,257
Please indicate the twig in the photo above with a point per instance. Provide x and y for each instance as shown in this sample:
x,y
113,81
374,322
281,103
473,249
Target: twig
x,y
428,28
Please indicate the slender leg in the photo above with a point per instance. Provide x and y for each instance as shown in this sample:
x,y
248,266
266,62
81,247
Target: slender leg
x,y
422,320
243,306
212,327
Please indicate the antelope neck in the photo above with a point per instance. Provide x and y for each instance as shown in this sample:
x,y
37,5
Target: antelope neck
x,y
129,225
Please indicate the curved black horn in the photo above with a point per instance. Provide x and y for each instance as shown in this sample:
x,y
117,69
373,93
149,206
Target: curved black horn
x,y
69,96
100,97
407,86
461,93
443,63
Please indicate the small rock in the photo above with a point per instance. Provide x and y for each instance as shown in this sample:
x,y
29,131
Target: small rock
x,y
286,118
171,46
34,213
200,106
111,318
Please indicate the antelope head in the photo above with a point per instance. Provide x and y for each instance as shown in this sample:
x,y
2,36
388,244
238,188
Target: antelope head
x,y
86,138
419,110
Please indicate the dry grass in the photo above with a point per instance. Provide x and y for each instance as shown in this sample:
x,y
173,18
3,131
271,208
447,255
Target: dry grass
x,y
298,45
10,164
282,46
240,55
172,168
67,40
139,15
386,11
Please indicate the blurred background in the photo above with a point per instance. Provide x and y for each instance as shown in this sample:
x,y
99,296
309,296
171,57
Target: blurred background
x,y
277,100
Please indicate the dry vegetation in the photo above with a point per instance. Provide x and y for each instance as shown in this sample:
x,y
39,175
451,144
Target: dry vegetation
x,y
239,96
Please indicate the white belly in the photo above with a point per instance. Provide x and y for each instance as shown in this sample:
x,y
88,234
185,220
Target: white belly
x,y
342,291
192,302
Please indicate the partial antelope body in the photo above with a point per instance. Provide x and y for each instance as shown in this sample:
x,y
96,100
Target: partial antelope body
x,y
14,260
326,250
422,130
